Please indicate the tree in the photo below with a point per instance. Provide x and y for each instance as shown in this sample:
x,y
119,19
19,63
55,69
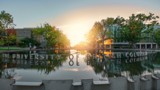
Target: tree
x,y
107,24
131,29
46,31
94,34
63,41
26,41
6,21
11,40
52,35
100,32
106,34
157,36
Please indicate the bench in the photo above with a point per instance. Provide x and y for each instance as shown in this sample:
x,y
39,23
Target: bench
x,y
20,83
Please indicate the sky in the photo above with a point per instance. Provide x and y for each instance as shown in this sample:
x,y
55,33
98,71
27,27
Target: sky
x,y
73,17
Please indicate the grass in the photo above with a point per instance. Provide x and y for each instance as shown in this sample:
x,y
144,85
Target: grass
x,y
9,48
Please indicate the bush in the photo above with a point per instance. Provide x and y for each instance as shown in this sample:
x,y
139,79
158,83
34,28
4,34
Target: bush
x,y
27,41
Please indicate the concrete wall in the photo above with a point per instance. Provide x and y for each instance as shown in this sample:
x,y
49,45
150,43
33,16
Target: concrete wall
x,y
158,82
119,83
149,84
5,84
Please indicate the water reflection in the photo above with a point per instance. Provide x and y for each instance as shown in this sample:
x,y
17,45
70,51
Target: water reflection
x,y
71,57
112,64
43,61
125,64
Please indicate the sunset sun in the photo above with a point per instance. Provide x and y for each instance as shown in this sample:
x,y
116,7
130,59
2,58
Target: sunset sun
x,y
76,31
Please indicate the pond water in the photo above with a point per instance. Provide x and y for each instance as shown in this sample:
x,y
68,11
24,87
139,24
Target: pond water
x,y
44,65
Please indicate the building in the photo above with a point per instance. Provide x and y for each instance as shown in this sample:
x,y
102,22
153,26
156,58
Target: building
x,y
146,43
22,33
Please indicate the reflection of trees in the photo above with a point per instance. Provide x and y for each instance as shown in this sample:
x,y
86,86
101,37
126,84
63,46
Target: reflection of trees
x,y
97,67
9,73
115,67
49,65
107,68
156,58
134,68
1,65
43,65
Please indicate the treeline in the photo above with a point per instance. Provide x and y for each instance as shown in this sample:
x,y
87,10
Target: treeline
x,y
52,36
132,30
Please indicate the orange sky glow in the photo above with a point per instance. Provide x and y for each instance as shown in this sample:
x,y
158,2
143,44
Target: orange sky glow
x,y
75,24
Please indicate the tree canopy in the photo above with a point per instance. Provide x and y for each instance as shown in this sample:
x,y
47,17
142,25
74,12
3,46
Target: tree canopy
x,y
99,31
53,36
6,22
157,36
130,30
94,34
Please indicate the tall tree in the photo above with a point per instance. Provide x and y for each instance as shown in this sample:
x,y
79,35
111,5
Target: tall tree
x,y
100,31
94,34
132,28
6,22
52,35
107,24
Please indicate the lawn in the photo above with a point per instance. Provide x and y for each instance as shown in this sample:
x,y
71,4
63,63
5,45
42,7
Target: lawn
x,y
9,48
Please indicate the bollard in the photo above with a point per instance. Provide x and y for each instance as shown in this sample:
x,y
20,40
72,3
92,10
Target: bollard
x,y
130,84
143,83
154,82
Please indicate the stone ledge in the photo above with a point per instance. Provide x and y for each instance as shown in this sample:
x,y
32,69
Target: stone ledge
x,y
77,83
19,83
130,80
144,79
100,82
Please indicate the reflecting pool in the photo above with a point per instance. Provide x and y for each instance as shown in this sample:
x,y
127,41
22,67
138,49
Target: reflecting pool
x,y
49,65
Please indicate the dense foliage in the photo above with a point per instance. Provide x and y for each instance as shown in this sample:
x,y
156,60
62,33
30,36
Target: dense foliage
x,y
53,36
94,34
6,22
130,30
26,42
157,36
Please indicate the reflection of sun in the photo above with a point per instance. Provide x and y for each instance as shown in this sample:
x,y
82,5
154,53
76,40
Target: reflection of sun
x,y
75,32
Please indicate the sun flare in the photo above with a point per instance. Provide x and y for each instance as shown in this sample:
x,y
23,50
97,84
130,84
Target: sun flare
x,y
76,32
